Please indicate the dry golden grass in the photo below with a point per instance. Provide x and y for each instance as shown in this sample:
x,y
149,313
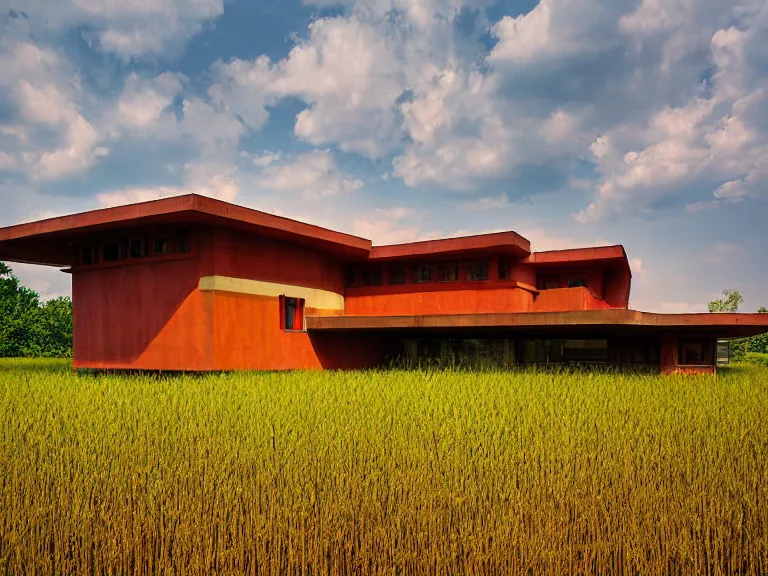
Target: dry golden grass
x,y
382,473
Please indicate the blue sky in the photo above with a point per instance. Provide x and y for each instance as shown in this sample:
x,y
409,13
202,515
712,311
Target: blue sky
x,y
572,122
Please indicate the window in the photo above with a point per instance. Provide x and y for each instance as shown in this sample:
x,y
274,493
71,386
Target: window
x,y
160,245
397,275
350,277
423,274
576,282
111,251
136,248
372,277
86,256
478,271
447,273
503,270
586,351
182,240
694,352
548,282
291,313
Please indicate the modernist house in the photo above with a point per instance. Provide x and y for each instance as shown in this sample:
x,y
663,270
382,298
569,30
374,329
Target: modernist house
x,y
192,283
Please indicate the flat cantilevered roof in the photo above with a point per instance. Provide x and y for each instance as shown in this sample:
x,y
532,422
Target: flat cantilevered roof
x,y
577,256
510,243
46,241
718,324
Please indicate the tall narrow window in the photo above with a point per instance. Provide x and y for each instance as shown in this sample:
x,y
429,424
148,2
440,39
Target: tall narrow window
x,y
182,240
111,251
136,248
448,272
503,269
350,277
160,245
291,313
86,256
423,274
478,271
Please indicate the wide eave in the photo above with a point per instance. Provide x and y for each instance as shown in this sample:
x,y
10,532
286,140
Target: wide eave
x,y
47,241
616,320
501,243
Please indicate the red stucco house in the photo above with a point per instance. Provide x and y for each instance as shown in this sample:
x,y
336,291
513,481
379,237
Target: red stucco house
x,y
193,283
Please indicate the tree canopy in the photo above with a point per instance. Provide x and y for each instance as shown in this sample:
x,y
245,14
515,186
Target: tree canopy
x,y
29,327
730,302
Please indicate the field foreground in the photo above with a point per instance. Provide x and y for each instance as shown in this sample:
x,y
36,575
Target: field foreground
x,y
382,473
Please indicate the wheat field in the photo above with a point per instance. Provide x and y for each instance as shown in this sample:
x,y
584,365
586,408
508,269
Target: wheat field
x,y
382,472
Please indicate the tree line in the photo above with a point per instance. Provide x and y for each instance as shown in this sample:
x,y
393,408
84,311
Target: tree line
x,y
29,327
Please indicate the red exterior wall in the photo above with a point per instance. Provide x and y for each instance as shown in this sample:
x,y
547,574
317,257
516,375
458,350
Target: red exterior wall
x,y
516,294
240,255
150,314
453,298
564,299
247,335
147,315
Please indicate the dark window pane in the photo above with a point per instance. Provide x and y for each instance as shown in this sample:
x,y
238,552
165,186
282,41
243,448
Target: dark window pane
x,y
290,312
478,271
503,270
397,275
447,273
548,282
424,274
586,350
136,249
160,245
576,282
350,277
182,240
376,277
111,251
86,256
692,353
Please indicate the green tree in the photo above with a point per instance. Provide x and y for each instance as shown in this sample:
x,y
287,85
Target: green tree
x,y
730,302
55,327
762,310
29,327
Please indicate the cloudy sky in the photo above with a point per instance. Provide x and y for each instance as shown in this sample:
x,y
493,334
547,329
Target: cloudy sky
x,y
572,122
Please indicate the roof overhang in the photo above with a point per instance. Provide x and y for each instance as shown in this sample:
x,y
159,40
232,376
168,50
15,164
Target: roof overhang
x,y
47,241
609,255
616,320
499,243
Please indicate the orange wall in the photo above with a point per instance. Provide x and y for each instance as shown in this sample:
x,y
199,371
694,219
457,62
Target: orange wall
x,y
247,335
491,296
151,315
617,284
564,299
362,302
482,298
593,276
147,315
